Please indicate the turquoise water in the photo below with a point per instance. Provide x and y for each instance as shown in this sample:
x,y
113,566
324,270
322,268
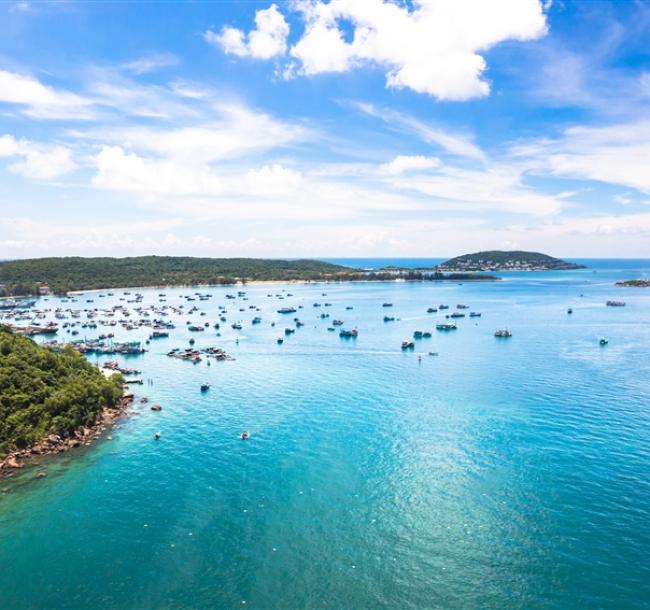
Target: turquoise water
x,y
499,474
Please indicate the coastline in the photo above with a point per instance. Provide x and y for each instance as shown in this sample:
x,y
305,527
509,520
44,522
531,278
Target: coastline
x,y
53,443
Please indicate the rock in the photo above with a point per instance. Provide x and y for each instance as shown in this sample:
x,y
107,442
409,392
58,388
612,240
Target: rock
x,y
156,408
41,475
87,431
53,439
144,399
74,442
12,462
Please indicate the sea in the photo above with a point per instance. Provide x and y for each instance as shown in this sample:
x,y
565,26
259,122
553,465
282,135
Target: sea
x,y
471,472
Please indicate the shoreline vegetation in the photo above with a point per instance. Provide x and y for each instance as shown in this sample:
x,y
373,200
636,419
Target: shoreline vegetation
x,y
51,402
634,283
34,277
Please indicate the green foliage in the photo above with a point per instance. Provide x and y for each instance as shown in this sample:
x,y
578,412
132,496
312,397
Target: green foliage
x,y
77,273
43,392
502,258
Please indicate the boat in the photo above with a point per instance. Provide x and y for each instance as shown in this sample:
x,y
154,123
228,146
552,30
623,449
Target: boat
x,y
347,334
389,318
236,326
457,315
386,304
443,306
418,334
462,306
289,331
433,353
474,314
446,327
244,435
503,333
408,344
615,303
569,311
432,310
157,436
280,340
604,341
205,387
285,310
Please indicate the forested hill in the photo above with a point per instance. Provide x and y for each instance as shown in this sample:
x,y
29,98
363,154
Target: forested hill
x,y
44,392
500,260
23,277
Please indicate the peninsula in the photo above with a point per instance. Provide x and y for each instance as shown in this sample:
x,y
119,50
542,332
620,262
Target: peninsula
x,y
42,276
500,260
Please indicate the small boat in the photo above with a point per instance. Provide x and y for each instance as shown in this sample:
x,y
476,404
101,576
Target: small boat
x,y
418,334
244,435
389,318
432,310
433,353
446,327
280,340
205,387
615,303
157,436
156,408
349,334
474,314
503,333
236,326
569,311
604,341
286,310
408,344
386,304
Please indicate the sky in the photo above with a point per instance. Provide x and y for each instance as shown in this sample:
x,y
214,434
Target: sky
x,y
306,128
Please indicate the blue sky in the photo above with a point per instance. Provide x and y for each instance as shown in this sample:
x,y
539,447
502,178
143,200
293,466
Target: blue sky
x,y
311,128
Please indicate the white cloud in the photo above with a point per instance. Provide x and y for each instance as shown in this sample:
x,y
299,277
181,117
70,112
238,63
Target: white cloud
x,y
150,63
434,48
406,163
616,154
267,40
455,144
39,161
37,100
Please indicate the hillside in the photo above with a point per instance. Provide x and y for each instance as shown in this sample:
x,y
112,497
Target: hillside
x,y
43,392
23,277
500,260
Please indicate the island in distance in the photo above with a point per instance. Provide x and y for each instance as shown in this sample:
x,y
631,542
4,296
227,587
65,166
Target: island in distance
x,y
500,260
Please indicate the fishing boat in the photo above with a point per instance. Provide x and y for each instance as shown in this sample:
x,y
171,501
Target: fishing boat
x,y
280,340
389,318
474,314
408,344
349,334
503,333
386,304
446,327
604,341
615,303
285,310
432,310
205,387
418,334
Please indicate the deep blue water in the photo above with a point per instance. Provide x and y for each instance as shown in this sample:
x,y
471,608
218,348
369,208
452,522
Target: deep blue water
x,y
499,474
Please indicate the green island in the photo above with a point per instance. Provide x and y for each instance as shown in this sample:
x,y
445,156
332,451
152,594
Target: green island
x,y
47,398
634,283
502,260
67,274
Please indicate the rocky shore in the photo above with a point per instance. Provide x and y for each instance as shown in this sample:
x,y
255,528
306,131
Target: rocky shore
x,y
54,443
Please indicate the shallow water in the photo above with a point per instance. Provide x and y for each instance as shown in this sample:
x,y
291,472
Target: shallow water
x,y
499,474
